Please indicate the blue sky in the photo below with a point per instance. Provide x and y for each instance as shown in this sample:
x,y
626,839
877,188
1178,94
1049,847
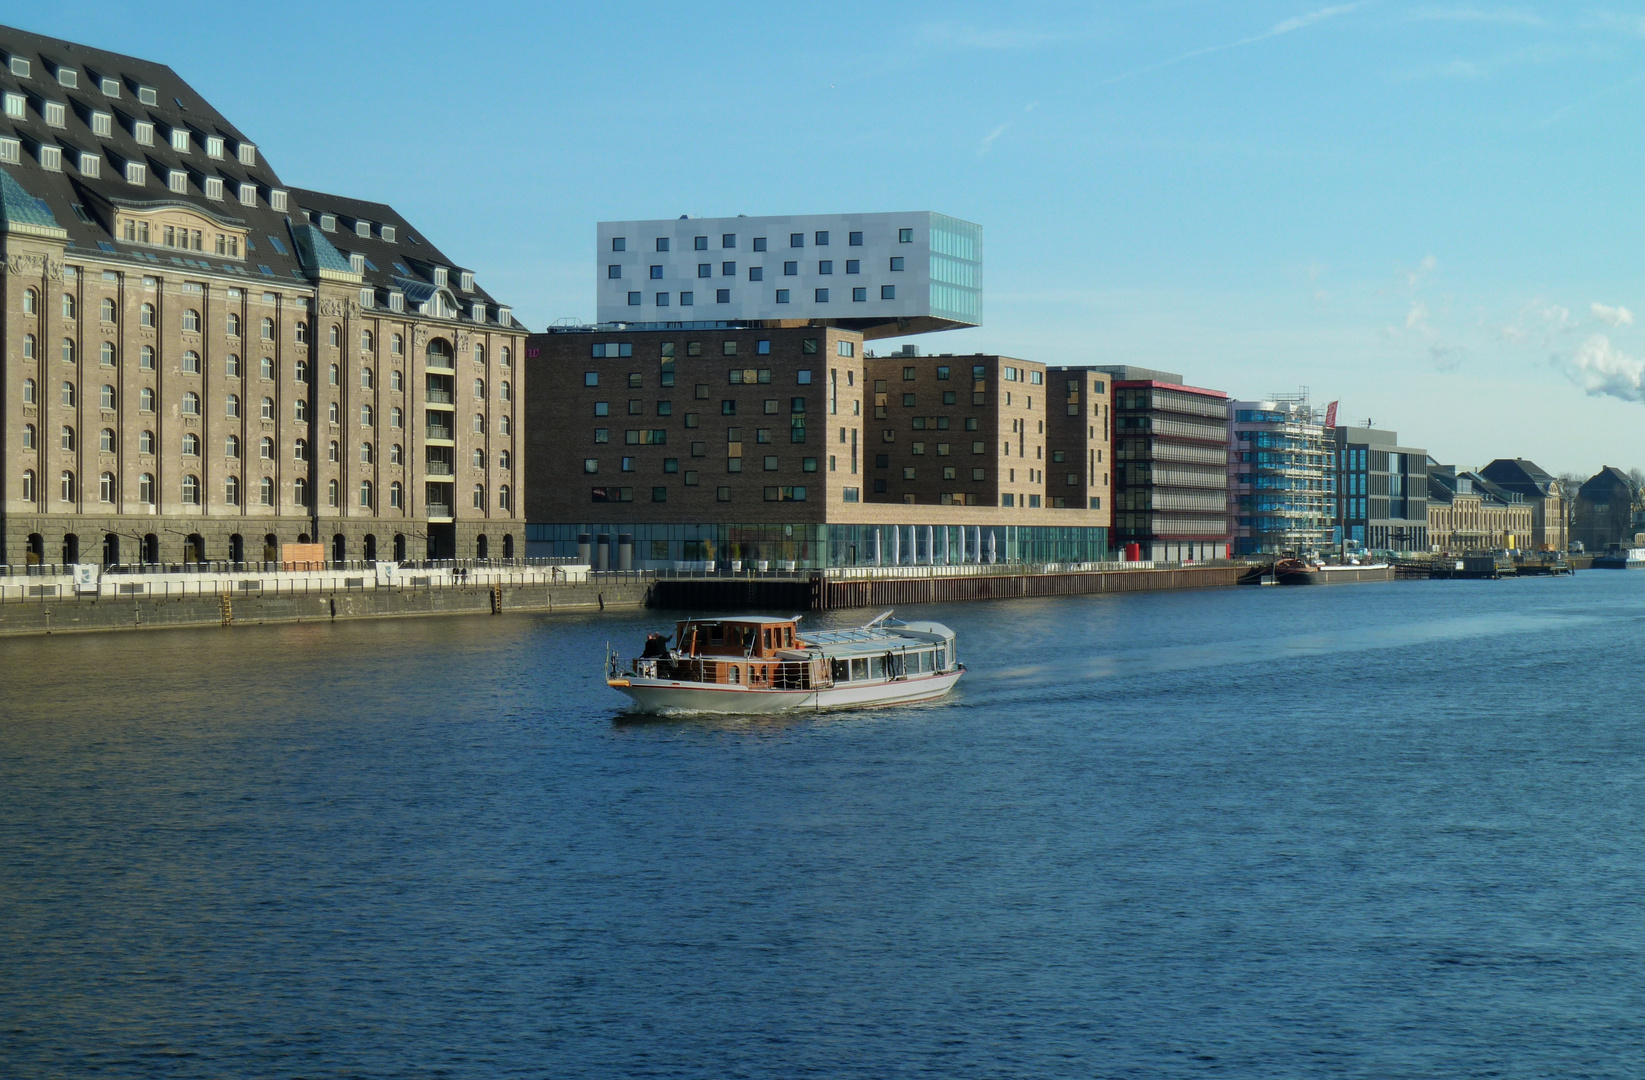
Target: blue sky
x,y
1427,211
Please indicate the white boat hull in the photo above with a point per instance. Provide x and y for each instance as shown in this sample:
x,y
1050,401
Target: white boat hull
x,y
666,696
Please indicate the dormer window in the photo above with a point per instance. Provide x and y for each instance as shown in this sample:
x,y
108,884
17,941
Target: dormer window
x,y
137,173
248,194
388,233
177,180
110,87
11,150
439,275
277,201
357,263
102,124
214,146
147,95
68,77
467,281
505,316
179,140
368,298
19,67
91,166
362,228
54,113
247,153
17,106
214,187
51,158
143,132
478,311
328,222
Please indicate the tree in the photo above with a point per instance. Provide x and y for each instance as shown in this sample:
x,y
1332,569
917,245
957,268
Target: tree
x,y
1568,484
1636,480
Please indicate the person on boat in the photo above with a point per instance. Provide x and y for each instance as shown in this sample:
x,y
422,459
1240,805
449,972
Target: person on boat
x,y
655,647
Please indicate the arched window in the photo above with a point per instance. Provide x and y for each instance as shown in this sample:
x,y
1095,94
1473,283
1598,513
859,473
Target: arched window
x,y
106,397
66,486
105,440
332,412
67,394
145,442
231,407
265,491
106,354
191,321
502,459
267,407
331,493
365,340
299,371
268,329
28,392
265,448
29,442
365,495
231,366
66,437
479,424
106,308
365,378
299,491
505,392
68,350
302,333
231,447
145,358
68,305
502,498
105,487
28,346
334,453
503,356
479,458
365,415
395,416
145,316
508,546
231,491
145,489
479,353
232,324
29,494
191,490
31,303
479,496
396,344
366,453
503,424
266,368
479,389
191,444
299,450
439,352
300,411
394,496
191,362
335,375
335,335
394,381
191,403
395,454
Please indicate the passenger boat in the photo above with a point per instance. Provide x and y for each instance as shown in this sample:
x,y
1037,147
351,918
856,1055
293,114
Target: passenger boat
x,y
766,664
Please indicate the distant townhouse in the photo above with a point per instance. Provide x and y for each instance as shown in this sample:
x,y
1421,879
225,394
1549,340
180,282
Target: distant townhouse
x,y
1550,530
1467,512
1603,512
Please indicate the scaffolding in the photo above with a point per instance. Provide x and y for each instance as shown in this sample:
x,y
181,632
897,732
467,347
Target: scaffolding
x,y
1281,476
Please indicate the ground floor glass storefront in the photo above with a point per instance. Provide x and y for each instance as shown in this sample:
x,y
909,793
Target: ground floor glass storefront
x,y
811,546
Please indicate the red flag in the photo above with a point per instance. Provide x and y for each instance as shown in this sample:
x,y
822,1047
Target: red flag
x,y
1331,415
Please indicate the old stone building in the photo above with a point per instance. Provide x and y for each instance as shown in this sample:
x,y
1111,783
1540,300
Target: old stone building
x,y
202,363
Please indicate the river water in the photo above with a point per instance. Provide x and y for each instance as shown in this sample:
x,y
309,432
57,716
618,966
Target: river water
x,y
1361,830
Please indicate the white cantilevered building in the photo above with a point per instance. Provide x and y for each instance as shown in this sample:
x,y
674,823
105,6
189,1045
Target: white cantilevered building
x,y
885,275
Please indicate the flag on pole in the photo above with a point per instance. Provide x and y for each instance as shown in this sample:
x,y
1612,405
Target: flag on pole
x,y
1331,415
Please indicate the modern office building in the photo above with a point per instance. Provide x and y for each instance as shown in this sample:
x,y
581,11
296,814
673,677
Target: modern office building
x,y
1550,529
1170,475
1282,476
1382,490
1603,514
1467,512
790,445
202,362
885,275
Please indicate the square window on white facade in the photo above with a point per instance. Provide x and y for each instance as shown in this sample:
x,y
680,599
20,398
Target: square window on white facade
x,y
143,132
17,106
55,113
214,187
51,158
214,146
177,180
91,165
102,124
179,140
248,194
277,201
136,172
11,151
247,153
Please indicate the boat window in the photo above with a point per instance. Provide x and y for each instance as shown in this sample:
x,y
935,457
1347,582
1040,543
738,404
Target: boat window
x,y
859,669
768,639
842,671
788,637
716,635
735,675
876,667
942,659
925,660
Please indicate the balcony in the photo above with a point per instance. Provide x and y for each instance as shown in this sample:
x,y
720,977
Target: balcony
x,y
441,433
440,468
436,362
440,397
439,512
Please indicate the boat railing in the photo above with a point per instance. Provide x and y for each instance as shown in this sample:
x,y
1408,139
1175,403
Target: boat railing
x,y
752,671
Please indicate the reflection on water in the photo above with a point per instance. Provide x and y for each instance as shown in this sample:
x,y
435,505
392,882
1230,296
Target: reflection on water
x,y
1380,830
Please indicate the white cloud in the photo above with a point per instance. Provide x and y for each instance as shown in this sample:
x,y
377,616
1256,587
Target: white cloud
x,y
1413,278
1605,371
1615,316
988,140
1417,317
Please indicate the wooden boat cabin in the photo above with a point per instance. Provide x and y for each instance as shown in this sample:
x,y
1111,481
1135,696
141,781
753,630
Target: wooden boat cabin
x,y
754,650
